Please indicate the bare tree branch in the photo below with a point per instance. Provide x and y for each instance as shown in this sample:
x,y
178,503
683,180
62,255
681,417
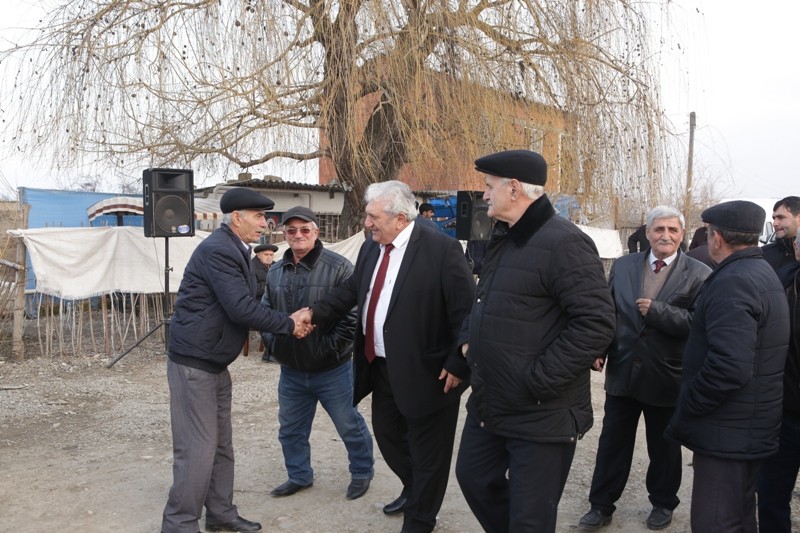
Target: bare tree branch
x,y
415,89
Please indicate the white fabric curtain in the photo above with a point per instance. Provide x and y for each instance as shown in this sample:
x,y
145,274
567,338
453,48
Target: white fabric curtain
x,y
76,263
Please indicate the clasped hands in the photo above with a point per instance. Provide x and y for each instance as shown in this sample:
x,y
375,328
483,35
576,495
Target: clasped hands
x,y
302,322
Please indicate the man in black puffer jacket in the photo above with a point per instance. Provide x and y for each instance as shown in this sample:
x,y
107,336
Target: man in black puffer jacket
x,y
729,408
542,315
319,367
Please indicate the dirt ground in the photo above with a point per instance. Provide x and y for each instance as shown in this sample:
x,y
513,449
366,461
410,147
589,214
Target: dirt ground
x,y
86,448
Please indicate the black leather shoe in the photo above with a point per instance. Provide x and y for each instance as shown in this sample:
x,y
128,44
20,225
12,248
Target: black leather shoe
x,y
396,507
357,488
237,524
288,488
594,519
659,518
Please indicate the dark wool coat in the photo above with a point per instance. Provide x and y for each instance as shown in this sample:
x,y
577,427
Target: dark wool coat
x,y
732,388
217,306
542,315
260,273
645,359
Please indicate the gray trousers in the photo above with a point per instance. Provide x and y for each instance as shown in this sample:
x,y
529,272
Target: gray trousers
x,y
202,449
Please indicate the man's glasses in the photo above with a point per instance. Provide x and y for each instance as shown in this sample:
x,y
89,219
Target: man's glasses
x,y
303,231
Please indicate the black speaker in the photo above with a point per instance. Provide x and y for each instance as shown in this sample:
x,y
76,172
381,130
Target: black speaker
x,y
168,202
472,217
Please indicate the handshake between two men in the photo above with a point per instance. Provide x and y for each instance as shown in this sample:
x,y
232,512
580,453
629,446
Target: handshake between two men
x,y
302,322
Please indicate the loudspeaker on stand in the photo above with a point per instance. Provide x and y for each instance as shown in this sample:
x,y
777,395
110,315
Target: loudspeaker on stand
x,y
168,196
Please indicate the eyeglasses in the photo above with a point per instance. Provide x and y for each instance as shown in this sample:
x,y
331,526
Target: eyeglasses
x,y
303,231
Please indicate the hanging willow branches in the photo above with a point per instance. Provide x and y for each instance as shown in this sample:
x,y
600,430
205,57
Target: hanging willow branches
x,y
377,89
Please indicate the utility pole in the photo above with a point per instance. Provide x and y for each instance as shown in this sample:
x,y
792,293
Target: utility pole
x,y
687,205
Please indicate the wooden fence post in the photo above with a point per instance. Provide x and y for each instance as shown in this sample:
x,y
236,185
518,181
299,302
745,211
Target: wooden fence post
x,y
20,278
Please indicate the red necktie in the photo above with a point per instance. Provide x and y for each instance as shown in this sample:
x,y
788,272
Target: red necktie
x,y
659,265
380,277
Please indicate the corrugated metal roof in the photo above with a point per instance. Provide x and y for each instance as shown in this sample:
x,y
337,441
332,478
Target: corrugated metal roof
x,y
272,184
279,184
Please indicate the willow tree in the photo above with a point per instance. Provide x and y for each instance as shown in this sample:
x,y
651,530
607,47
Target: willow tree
x,y
370,87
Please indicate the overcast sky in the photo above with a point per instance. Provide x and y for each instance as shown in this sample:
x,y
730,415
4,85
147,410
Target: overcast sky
x,y
742,79
737,68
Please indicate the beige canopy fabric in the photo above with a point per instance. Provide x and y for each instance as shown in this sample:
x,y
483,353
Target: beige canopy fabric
x,y
76,263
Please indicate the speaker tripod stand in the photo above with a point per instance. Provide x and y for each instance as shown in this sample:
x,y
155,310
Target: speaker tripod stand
x,y
166,307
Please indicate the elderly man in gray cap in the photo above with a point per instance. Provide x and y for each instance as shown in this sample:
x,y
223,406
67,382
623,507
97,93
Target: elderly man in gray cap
x,y
729,408
542,314
214,311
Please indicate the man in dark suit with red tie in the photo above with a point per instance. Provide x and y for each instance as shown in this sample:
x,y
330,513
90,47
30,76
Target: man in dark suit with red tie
x,y
413,289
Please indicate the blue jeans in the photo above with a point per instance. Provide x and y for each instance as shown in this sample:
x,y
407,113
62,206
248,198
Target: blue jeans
x,y
777,478
298,394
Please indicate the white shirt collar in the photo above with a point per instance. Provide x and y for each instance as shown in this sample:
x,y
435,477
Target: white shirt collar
x,y
401,241
667,261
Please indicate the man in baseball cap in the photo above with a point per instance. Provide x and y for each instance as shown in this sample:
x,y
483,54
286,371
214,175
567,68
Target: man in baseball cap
x,y
317,369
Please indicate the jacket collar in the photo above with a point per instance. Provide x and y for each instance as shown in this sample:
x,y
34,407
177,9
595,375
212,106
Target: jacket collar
x,y
310,258
237,241
529,223
786,245
753,252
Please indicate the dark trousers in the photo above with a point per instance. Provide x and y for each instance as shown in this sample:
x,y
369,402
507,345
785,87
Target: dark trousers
x,y
615,455
417,449
202,449
723,495
777,479
526,499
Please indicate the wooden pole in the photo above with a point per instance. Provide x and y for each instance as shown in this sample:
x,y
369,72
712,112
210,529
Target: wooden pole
x,y
20,278
687,206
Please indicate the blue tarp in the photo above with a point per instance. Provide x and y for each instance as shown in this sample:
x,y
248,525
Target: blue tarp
x,y
444,213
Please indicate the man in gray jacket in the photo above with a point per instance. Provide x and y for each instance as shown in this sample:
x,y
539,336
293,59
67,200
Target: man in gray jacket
x,y
653,291
317,368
